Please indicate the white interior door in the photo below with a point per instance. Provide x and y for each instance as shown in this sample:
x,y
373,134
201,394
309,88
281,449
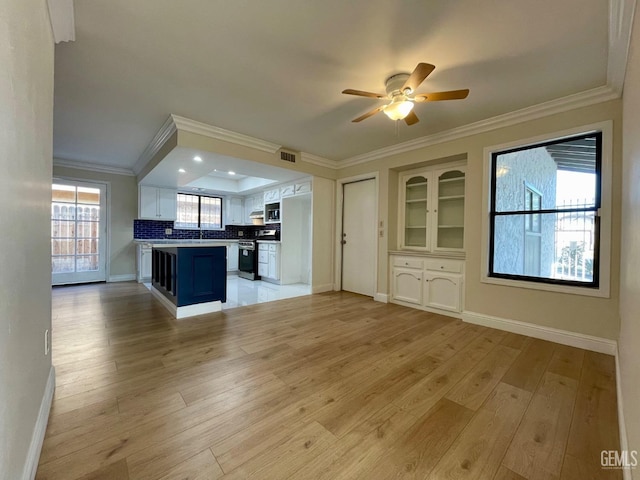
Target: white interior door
x,y
78,232
359,237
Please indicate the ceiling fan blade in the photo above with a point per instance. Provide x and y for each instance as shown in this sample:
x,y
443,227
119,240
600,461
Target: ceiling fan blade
x,y
360,93
436,96
411,119
418,75
368,114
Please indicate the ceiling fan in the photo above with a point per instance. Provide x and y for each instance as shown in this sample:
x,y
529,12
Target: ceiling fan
x,y
400,90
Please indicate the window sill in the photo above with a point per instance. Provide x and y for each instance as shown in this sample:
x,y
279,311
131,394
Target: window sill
x,y
601,292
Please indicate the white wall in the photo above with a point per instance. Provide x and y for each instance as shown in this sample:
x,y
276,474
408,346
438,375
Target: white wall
x,y
576,313
629,342
26,131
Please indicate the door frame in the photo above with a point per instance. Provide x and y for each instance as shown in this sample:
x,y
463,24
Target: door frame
x,y
107,245
337,280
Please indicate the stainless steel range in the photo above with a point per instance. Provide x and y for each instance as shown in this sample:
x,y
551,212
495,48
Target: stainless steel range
x,y
248,255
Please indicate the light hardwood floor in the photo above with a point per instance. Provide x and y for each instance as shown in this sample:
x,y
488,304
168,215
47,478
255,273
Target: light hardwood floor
x,y
330,386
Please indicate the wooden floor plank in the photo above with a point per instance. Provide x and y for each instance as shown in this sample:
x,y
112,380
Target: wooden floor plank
x,y
477,452
332,386
537,449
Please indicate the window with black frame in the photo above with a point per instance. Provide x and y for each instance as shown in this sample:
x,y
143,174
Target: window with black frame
x,y
544,212
198,212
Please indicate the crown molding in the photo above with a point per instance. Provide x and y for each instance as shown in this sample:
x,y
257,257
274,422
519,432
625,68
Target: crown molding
x,y
570,102
92,167
620,25
62,20
218,133
320,161
168,128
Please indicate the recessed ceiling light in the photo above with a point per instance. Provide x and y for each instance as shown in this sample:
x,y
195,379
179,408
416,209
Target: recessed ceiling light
x,y
181,170
197,158
231,173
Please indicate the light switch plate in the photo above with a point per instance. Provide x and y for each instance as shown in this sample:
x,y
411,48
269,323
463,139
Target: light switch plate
x,y
240,233
168,231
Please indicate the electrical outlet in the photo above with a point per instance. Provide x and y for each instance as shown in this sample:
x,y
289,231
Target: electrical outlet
x,y
240,233
46,342
168,231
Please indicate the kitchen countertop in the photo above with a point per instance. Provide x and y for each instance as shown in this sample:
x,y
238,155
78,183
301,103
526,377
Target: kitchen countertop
x,y
184,242
268,241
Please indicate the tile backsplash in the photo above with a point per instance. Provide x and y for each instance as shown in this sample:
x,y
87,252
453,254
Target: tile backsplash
x,y
154,229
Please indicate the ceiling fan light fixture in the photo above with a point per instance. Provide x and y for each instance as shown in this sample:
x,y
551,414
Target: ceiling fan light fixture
x,y
398,109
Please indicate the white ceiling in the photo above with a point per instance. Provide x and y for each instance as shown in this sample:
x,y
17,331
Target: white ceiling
x,y
275,69
210,174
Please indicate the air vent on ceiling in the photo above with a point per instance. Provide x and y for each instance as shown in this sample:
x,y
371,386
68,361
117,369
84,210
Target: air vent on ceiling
x,y
288,156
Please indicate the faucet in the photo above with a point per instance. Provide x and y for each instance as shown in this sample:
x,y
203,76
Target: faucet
x,y
201,234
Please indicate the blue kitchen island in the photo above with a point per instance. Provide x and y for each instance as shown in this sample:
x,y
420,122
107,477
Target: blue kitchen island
x,y
189,280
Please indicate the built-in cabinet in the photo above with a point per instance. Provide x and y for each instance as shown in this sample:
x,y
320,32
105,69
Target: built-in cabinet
x,y
431,208
429,283
269,261
155,203
254,203
428,271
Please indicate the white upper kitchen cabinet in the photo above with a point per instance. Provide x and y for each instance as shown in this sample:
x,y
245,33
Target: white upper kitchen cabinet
x,y
234,211
155,203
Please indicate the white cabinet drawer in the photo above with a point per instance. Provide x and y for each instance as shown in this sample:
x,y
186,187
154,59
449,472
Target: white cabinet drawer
x,y
443,265
407,262
273,247
263,256
263,247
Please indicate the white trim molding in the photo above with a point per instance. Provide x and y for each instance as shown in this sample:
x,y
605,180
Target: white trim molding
x,y
63,24
620,24
92,167
564,337
168,128
218,133
381,297
624,440
122,278
570,102
327,287
40,428
320,161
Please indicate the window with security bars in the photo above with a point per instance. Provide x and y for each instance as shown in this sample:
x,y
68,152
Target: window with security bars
x,y
544,212
199,212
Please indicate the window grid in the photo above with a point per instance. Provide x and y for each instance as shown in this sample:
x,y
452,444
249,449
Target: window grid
x,y
199,212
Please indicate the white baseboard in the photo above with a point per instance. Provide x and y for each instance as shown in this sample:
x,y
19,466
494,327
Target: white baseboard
x,y
187,310
624,441
381,297
322,288
122,278
564,337
40,428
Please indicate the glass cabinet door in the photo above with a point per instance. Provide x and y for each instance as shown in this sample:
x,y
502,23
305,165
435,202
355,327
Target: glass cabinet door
x,y
450,212
415,212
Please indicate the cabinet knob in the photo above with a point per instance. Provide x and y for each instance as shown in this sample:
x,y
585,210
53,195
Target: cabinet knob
x,y
406,263
441,267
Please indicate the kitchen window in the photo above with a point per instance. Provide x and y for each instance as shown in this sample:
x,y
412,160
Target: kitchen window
x,y
198,212
548,218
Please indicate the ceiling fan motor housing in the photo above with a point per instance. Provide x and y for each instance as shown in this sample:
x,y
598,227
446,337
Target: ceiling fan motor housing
x,y
395,83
